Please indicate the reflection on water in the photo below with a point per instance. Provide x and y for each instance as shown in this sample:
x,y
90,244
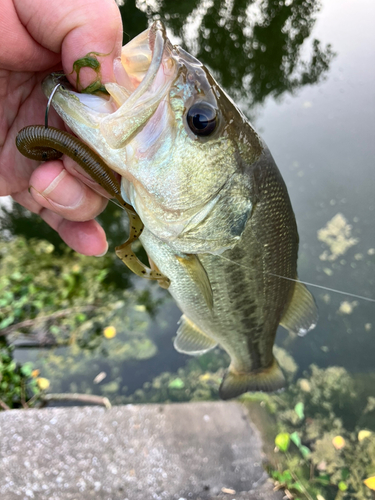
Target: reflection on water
x,y
254,49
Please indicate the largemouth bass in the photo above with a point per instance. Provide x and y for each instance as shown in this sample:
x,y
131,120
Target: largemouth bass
x,y
218,222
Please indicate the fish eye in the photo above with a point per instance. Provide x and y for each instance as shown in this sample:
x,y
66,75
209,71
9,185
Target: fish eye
x,y
202,118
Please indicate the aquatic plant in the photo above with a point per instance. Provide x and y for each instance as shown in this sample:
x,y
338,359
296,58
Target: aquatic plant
x,y
324,449
20,386
197,381
62,300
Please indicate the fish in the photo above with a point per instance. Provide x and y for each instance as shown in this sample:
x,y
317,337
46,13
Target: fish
x,y
218,221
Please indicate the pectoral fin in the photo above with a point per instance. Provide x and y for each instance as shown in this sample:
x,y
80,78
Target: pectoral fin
x,y
266,380
301,314
191,340
197,272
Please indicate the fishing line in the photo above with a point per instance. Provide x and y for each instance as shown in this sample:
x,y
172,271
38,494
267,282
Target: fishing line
x,y
325,288
233,262
307,283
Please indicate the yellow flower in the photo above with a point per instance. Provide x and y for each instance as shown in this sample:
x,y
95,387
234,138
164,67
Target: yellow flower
x,y
109,332
370,482
43,383
363,435
338,442
35,373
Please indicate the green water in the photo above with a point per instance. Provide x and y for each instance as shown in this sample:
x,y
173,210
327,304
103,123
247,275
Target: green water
x,y
303,72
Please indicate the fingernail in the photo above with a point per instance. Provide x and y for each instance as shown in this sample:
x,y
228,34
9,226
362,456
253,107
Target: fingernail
x,y
102,254
67,194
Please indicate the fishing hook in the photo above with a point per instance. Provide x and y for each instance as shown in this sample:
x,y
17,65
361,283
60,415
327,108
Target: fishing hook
x,y
49,104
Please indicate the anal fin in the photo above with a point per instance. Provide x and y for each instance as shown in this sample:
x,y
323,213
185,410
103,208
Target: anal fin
x,y
301,314
191,340
267,380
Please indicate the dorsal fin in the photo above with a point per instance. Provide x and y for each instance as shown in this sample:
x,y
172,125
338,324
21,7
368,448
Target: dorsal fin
x,y
301,314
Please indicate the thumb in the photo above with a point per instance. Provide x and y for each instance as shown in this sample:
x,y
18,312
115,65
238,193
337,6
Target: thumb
x,y
75,28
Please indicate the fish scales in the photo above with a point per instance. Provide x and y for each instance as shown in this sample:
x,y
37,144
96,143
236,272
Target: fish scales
x,y
218,224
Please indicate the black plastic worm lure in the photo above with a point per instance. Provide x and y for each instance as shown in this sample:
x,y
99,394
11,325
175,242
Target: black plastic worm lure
x,y
41,143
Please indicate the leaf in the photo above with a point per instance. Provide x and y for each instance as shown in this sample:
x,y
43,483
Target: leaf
x,y
54,329
17,276
345,473
296,439
109,332
11,367
299,409
81,317
305,451
370,482
297,486
323,479
286,476
43,383
338,442
177,383
282,441
7,321
27,369
342,486
363,435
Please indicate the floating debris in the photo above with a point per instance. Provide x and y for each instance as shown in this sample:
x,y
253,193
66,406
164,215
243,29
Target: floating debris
x,y
109,332
364,434
100,377
370,482
43,383
337,235
338,442
228,490
347,307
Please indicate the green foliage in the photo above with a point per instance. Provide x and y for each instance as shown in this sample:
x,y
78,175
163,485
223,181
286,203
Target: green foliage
x,y
63,299
282,441
17,386
299,409
177,383
322,416
34,280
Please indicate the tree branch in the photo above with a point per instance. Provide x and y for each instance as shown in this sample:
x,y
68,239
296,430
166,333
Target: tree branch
x,y
31,322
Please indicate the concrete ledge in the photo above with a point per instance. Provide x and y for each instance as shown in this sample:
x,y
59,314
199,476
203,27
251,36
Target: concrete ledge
x,y
159,452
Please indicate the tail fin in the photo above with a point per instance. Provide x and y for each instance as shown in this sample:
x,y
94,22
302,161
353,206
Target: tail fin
x,y
268,380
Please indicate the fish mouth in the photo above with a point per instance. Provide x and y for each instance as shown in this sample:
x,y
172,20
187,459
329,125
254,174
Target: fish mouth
x,y
144,75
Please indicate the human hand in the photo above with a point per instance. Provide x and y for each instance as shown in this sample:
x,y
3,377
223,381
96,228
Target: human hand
x,y
38,37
